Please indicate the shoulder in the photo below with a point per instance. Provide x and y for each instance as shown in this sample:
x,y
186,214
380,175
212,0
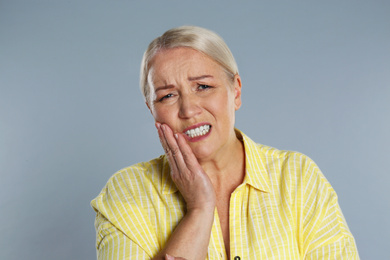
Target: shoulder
x,y
123,204
293,164
290,168
298,185
149,171
298,176
132,183
269,155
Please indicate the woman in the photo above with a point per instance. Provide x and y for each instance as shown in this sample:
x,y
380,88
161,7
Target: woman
x,y
215,194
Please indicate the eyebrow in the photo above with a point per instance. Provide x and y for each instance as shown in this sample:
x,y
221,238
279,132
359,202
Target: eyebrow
x,y
199,77
163,87
189,78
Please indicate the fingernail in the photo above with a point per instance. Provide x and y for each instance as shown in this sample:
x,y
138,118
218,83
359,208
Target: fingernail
x,y
158,125
176,136
168,257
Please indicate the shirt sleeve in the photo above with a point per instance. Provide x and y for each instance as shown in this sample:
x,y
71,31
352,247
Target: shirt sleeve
x,y
111,243
342,248
324,233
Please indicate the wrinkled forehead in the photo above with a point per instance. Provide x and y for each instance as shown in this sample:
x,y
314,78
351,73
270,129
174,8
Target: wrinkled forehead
x,y
172,65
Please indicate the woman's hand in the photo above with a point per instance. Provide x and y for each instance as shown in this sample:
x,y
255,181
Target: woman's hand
x,y
169,257
191,236
189,177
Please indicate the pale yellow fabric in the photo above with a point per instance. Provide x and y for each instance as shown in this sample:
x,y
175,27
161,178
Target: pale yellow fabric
x,y
284,209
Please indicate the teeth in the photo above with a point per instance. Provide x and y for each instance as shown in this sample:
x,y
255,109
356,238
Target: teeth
x,y
199,131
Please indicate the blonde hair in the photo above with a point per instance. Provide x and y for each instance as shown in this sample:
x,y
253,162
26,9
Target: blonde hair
x,y
200,39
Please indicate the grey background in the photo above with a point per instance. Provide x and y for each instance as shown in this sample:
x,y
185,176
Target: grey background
x,y
315,79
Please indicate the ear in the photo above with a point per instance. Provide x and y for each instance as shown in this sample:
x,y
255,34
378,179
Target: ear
x,y
237,91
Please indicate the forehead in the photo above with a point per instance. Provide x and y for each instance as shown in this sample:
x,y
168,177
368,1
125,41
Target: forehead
x,y
182,62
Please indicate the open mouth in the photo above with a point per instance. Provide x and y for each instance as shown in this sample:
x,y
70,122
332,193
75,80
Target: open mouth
x,y
199,131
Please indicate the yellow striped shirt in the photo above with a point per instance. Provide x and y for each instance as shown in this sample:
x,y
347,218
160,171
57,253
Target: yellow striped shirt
x,y
284,209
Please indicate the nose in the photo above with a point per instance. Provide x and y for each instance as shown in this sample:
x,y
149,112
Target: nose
x,y
189,107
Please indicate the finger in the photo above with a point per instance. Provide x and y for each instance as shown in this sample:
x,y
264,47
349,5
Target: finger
x,y
161,137
189,157
163,141
175,151
171,142
169,257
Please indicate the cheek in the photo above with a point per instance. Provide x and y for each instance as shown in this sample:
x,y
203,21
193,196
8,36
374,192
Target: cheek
x,y
227,100
163,114
222,105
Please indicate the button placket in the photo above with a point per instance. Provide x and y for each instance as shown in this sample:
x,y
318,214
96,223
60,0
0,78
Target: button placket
x,y
235,220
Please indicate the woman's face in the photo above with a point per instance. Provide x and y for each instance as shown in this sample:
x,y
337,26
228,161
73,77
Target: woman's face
x,y
193,95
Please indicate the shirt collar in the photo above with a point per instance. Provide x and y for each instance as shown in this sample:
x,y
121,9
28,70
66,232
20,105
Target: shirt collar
x,y
256,173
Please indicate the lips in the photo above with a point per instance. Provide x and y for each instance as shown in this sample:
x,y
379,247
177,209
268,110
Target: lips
x,y
198,130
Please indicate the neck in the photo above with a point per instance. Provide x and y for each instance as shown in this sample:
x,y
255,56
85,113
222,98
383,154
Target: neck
x,y
227,166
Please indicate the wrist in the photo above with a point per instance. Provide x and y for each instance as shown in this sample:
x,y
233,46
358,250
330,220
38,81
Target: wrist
x,y
203,210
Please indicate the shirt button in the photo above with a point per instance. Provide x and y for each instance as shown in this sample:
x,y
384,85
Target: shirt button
x,y
237,258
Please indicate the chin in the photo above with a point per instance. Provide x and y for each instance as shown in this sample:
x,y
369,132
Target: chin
x,y
202,152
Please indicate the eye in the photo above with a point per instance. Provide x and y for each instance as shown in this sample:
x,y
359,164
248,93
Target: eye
x,y
165,97
203,87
